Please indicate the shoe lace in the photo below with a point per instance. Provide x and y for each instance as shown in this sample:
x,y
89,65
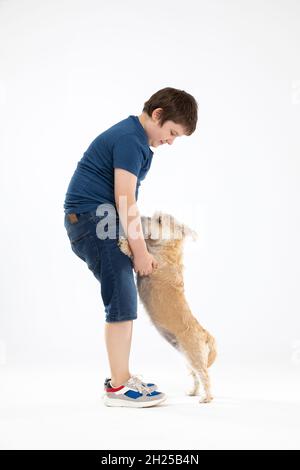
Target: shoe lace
x,y
136,382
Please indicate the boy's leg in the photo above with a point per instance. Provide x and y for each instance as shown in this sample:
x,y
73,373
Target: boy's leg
x,y
118,342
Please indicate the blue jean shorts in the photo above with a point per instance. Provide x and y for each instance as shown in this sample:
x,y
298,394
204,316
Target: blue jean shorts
x,y
112,268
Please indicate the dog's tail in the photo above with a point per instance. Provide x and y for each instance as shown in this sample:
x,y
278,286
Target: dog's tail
x,y
211,342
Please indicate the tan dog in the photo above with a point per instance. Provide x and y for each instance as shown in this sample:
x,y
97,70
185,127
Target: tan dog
x,y
162,294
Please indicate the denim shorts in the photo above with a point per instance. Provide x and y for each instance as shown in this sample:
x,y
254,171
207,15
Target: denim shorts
x,y
112,268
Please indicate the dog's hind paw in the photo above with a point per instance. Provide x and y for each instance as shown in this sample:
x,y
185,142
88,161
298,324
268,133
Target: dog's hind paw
x,y
192,393
206,399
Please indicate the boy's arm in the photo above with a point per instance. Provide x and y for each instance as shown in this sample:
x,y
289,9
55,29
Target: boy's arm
x,y
125,185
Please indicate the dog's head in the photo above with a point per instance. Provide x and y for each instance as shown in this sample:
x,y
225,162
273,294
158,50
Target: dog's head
x,y
162,229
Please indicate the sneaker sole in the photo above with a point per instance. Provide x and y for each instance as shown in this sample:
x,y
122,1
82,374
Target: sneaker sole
x,y
130,404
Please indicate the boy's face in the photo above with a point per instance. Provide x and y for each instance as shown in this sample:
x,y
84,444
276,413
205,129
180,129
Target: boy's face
x,y
160,135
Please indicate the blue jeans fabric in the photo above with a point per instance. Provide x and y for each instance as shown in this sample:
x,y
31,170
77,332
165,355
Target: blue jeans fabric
x,y
112,268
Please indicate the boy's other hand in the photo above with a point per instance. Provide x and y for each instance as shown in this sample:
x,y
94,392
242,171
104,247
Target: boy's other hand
x,y
144,265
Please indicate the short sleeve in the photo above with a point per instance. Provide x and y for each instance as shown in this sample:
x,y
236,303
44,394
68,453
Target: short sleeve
x,y
127,154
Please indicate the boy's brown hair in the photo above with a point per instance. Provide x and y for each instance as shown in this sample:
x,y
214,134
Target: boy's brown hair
x,y
178,106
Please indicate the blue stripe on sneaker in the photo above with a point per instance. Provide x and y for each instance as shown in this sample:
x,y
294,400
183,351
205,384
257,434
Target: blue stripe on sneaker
x,y
133,394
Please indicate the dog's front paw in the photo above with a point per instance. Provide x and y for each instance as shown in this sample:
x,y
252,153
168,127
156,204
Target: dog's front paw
x,y
124,246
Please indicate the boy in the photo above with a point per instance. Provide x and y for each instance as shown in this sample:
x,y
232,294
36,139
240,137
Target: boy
x,y
104,188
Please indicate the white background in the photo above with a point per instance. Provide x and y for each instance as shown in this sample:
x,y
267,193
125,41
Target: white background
x,y
69,70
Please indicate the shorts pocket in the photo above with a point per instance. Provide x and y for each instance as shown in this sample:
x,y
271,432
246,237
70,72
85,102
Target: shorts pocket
x,y
85,247
77,237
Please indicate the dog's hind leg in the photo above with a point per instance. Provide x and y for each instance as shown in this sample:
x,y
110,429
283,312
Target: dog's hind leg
x,y
197,357
203,374
171,338
196,385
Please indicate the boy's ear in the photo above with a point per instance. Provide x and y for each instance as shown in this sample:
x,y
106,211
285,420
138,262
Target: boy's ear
x,y
187,231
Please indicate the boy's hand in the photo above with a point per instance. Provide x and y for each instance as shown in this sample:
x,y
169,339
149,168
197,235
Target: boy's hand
x,y
144,265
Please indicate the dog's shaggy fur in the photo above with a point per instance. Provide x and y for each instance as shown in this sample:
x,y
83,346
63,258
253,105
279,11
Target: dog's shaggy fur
x,y
162,294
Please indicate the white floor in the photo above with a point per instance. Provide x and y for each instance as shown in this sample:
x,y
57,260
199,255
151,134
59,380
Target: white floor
x,y
62,409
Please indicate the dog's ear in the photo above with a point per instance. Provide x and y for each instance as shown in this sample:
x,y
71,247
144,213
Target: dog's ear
x,y
187,231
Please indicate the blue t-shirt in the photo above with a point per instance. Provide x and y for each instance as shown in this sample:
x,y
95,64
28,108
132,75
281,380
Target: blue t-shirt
x,y
124,145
